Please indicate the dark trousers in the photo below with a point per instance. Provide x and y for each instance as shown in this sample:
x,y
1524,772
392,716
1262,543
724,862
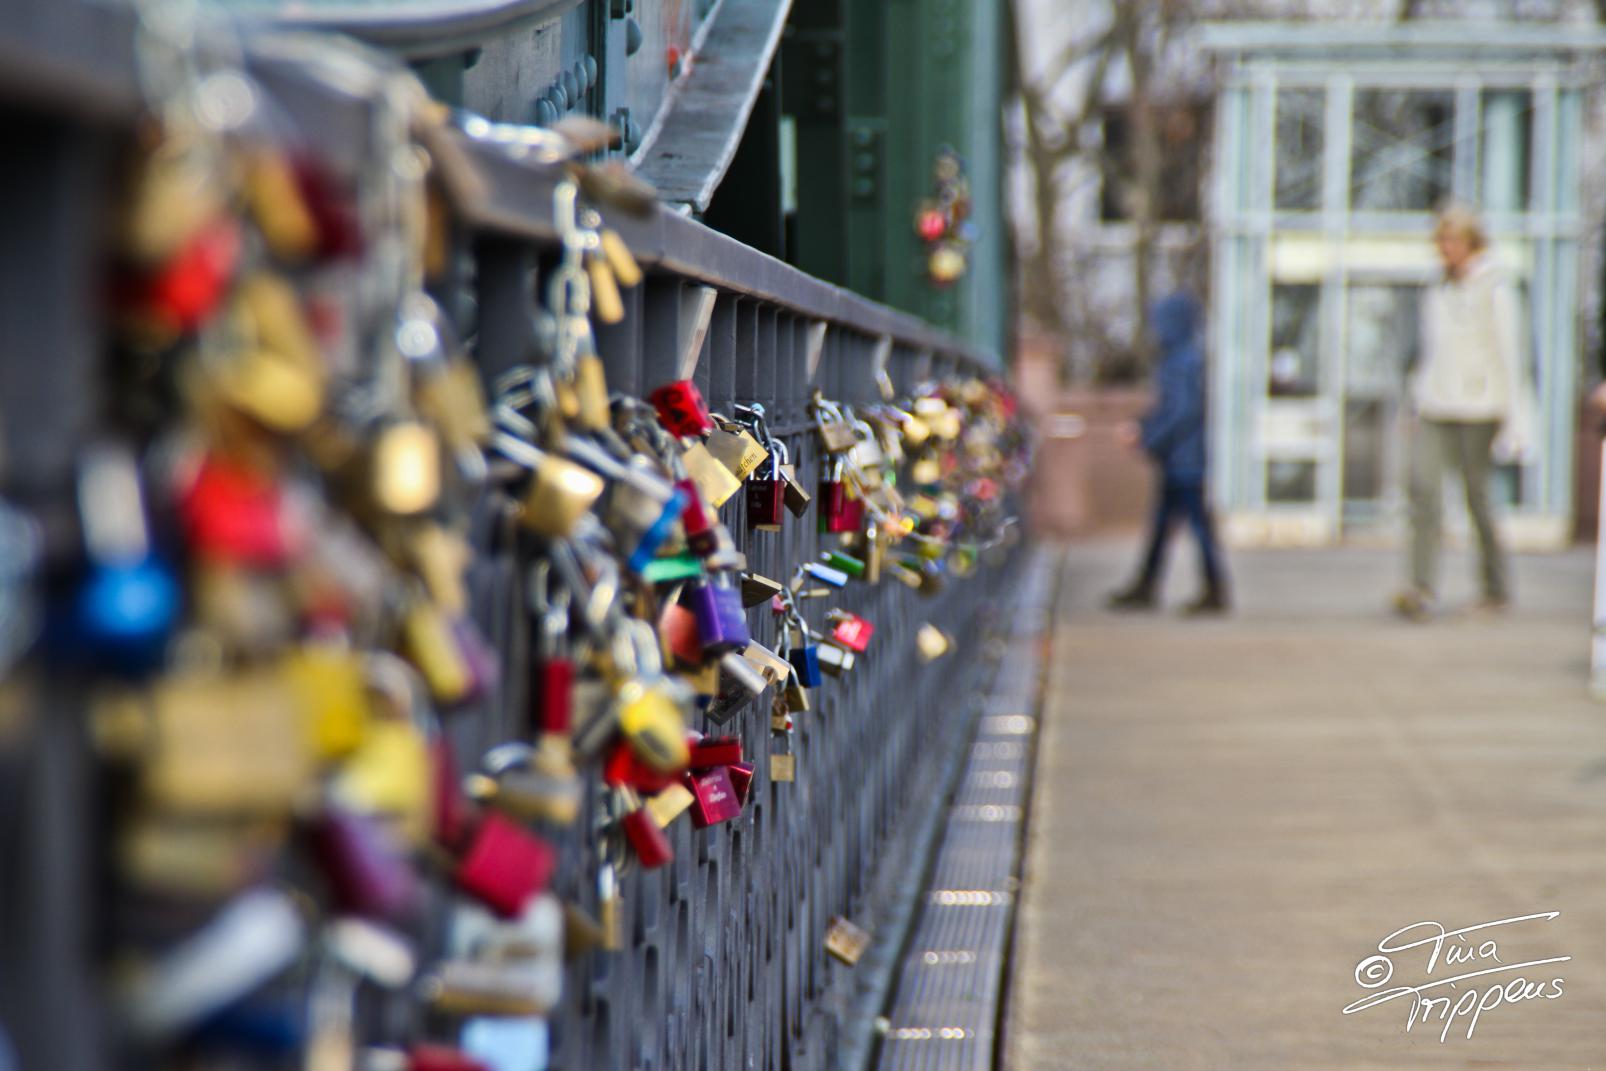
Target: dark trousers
x,y
1178,501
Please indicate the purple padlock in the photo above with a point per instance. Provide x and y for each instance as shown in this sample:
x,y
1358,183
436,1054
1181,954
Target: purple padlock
x,y
721,621
368,873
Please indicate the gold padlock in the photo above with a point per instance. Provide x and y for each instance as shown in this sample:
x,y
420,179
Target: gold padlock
x,y
669,804
389,776
175,192
274,197
560,493
715,482
591,393
226,744
406,468
428,643
651,722
453,400
332,693
783,767
735,448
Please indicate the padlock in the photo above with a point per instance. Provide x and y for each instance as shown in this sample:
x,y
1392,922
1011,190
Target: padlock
x,y
774,669
432,643
673,569
591,391
850,630
740,682
405,468
824,573
678,627
700,524
734,447
244,946
331,696
624,768
429,1057
841,509
449,811
797,497
844,562
669,803
805,660
530,783
552,669
845,941
797,697
651,722
219,745
741,775
716,482
766,501
126,608
183,293
368,875
713,797
836,434
757,589
715,751
646,836
560,491
606,304
202,861
783,767
503,866
643,509
835,660
681,409
932,643
721,621
173,192
273,196
234,514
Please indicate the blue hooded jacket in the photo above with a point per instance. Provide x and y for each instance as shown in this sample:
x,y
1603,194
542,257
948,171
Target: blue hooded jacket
x,y
1174,430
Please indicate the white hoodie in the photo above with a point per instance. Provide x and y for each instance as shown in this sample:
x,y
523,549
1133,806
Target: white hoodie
x,y
1472,365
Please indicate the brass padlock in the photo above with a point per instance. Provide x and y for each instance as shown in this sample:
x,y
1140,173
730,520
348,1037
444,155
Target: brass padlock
x,y
591,393
223,744
845,941
332,692
560,493
715,481
406,468
735,448
783,767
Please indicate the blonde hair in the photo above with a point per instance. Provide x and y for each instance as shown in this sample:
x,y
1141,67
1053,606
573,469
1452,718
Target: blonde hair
x,y
1462,219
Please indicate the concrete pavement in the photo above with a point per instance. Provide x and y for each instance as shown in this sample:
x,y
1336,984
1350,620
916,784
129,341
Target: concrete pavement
x,y
1229,816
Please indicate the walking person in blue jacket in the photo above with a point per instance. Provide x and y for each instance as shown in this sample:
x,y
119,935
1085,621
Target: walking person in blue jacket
x,y
1173,434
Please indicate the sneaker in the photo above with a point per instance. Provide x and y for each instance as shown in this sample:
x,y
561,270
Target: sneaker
x,y
1414,604
1211,602
1136,597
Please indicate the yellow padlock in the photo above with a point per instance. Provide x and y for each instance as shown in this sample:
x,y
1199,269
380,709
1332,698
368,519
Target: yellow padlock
x,y
715,482
332,695
389,776
651,723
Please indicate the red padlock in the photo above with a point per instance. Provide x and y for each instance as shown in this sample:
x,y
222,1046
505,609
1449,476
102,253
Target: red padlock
x,y
741,774
652,846
190,287
702,527
851,631
554,695
425,1057
840,511
450,805
713,796
715,751
236,515
682,410
625,769
678,626
504,865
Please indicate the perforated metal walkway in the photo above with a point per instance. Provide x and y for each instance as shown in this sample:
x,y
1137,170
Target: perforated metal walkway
x,y
945,1005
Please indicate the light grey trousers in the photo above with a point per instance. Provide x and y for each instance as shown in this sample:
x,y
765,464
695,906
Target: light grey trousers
x,y
1436,446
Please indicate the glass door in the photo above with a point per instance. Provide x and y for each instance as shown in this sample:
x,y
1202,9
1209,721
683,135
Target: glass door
x,y
1380,344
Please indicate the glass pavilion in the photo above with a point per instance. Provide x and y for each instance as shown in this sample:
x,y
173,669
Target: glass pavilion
x,y
1334,143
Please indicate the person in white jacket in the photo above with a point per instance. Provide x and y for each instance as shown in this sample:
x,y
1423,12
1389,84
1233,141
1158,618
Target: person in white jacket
x,y
1471,399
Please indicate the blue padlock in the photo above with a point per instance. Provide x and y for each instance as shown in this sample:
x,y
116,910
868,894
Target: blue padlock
x,y
805,661
126,608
